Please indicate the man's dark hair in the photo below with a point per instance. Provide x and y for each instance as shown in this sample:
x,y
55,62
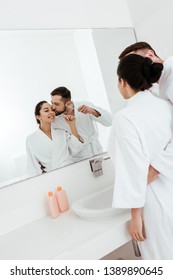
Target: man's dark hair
x,y
135,47
63,92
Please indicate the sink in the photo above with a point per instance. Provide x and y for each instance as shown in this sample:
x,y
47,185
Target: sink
x,y
97,205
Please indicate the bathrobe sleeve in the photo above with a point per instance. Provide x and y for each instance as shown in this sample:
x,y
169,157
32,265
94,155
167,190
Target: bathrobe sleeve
x,y
166,80
131,164
74,145
105,118
164,162
33,165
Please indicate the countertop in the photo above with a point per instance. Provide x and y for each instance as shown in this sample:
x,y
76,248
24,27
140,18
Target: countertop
x,y
65,237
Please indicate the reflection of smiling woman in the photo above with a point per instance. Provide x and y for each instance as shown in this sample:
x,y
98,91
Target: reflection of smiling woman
x,y
48,148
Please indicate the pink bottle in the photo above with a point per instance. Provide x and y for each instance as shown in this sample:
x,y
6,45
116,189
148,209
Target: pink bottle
x,y
62,199
53,206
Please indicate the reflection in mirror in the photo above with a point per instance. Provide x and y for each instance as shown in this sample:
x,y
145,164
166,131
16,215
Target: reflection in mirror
x,y
34,63
49,148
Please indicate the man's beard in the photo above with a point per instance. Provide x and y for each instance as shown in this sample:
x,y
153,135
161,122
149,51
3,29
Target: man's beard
x,y
60,112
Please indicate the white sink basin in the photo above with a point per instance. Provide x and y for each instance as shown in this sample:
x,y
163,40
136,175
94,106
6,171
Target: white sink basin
x,y
96,205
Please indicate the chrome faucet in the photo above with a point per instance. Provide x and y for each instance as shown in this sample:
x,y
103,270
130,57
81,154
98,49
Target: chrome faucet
x,y
96,165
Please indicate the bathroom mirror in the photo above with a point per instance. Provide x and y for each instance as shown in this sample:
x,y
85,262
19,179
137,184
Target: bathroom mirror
x,y
34,62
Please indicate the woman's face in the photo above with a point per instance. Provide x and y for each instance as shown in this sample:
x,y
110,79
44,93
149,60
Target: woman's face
x,y
47,115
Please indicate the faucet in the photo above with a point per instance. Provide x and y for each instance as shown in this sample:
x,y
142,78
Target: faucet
x,y
96,165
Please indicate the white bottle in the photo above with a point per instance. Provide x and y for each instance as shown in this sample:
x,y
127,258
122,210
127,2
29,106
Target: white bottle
x,y
53,206
62,199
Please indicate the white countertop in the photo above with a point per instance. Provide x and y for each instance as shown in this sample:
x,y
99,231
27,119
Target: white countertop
x,y
65,237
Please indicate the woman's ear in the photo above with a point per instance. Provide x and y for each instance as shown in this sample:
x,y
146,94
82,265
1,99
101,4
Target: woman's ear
x,y
123,83
38,117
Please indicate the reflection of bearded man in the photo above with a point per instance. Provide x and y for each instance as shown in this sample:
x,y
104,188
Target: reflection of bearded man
x,y
87,116
61,101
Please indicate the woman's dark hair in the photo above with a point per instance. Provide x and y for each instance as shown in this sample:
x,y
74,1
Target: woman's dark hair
x,y
139,72
38,108
63,92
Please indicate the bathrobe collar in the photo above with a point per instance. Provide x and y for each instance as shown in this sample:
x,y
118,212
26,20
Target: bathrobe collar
x,y
137,96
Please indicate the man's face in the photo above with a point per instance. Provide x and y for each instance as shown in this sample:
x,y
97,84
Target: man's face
x,y
58,105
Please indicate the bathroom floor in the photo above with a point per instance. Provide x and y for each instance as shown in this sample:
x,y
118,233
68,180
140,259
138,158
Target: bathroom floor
x,y
124,252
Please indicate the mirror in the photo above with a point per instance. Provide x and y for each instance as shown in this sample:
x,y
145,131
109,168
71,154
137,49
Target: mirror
x,y
34,62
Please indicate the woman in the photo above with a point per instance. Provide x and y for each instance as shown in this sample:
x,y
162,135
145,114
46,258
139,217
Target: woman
x,y
139,133
48,148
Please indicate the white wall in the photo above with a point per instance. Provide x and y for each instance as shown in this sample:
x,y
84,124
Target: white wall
x,y
43,14
109,44
153,23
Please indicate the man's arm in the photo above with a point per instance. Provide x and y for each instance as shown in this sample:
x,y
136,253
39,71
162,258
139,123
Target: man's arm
x,y
88,110
97,114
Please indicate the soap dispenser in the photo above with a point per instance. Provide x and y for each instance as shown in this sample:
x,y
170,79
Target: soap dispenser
x,y
62,199
53,206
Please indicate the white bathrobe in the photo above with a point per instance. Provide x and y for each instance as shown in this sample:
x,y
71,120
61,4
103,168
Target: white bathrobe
x,y
139,133
51,154
87,129
163,163
166,80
